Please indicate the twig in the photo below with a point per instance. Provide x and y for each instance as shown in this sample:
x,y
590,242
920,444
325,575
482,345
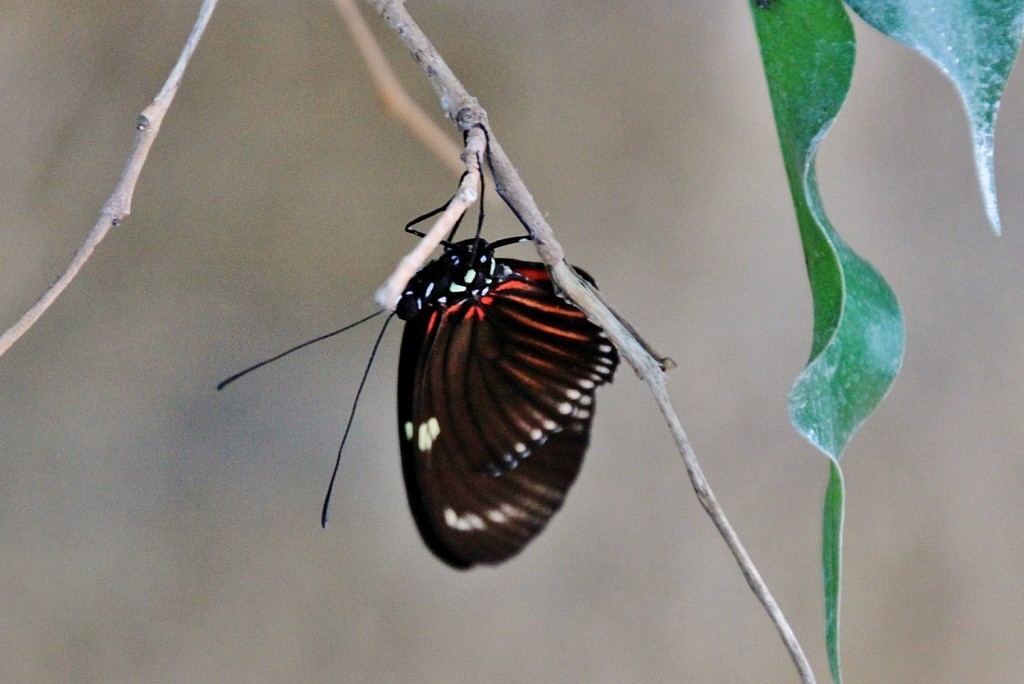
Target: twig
x,y
119,204
393,97
464,109
468,193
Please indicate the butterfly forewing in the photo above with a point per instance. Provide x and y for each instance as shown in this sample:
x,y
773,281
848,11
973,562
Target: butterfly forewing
x,y
495,398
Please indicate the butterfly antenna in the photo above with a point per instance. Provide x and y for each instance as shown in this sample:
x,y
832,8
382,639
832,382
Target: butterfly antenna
x,y
480,214
424,217
480,219
490,165
351,417
224,383
434,212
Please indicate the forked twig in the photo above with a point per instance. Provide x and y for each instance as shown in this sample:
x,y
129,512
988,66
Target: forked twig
x,y
119,204
468,193
466,112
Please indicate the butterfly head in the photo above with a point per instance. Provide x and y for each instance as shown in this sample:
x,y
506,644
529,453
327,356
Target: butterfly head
x,y
466,269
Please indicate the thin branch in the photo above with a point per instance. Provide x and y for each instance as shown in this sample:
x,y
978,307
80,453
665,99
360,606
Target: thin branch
x,y
464,109
395,100
119,204
393,97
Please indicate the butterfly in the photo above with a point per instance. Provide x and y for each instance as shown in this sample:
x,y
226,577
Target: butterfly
x,y
496,383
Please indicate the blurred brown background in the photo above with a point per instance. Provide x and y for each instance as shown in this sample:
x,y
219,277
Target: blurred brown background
x,y
154,530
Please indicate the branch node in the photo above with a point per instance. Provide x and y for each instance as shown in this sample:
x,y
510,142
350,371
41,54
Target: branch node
x,y
468,117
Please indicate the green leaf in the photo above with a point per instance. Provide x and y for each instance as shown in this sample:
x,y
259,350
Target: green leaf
x,y
975,42
808,50
832,563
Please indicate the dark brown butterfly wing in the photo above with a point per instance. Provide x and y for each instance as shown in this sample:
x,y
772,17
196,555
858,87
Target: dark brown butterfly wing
x,y
495,402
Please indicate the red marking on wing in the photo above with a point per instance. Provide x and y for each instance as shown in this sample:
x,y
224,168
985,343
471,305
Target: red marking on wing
x,y
435,318
535,272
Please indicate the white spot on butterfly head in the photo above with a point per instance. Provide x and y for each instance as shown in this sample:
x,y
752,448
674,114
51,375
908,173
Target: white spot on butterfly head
x,y
470,276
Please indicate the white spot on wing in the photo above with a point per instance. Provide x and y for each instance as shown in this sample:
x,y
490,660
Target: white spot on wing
x,y
426,434
511,511
466,522
544,491
408,430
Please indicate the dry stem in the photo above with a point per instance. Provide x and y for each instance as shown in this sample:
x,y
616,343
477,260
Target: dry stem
x,y
392,95
119,204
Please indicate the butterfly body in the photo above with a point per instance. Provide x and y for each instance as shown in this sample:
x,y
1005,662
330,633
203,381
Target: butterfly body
x,y
496,384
